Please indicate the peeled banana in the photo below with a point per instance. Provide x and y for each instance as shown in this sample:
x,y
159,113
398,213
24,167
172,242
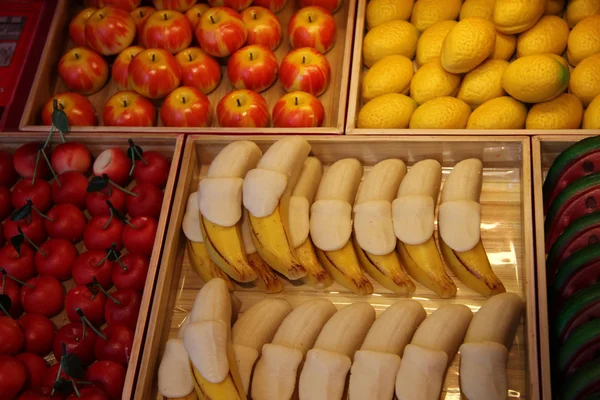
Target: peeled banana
x,y
276,372
459,227
174,375
267,192
413,213
331,225
220,204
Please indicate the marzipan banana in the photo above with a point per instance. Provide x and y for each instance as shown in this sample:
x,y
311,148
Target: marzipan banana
x,y
267,280
267,192
220,203
276,372
432,349
459,226
373,228
324,373
484,354
302,198
197,253
331,225
373,373
207,340
174,375
414,222
253,330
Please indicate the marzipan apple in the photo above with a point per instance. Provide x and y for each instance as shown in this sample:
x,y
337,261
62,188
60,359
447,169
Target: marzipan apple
x,y
252,67
167,29
77,26
194,13
312,27
154,73
109,30
263,27
82,70
186,106
129,109
243,109
120,68
306,70
177,5
330,5
298,110
78,108
221,31
198,69
273,5
237,5
140,15
127,5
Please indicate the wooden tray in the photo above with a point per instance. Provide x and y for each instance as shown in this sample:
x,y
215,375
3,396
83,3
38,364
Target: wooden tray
x,y
355,102
47,81
170,146
507,235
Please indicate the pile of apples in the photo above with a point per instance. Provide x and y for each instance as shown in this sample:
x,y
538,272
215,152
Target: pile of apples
x,y
155,67
67,219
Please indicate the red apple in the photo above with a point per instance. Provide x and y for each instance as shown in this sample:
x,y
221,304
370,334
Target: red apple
x,y
45,392
39,192
178,5
25,158
312,27
5,205
109,31
252,67
127,5
72,189
32,226
8,175
44,295
330,5
57,259
120,68
114,163
306,70
78,108
154,73
146,202
117,347
273,5
76,342
221,31
20,265
129,109
108,374
90,264
194,13
167,29
126,312
13,375
140,234
132,274
89,393
154,169
198,69
77,25
237,5
11,289
83,71
140,15
36,367
71,156
263,27
102,232
65,221
95,202
39,333
243,109
186,107
92,305
298,110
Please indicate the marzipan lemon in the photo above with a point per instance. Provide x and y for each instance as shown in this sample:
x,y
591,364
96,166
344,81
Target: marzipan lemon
x,y
549,35
428,12
535,79
477,8
585,79
468,44
381,11
390,38
483,83
499,113
505,46
390,111
555,7
391,74
578,10
441,113
516,16
591,118
584,40
429,46
563,112
431,81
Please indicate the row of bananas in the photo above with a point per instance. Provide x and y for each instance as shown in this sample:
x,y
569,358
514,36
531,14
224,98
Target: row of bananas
x,y
254,214
275,352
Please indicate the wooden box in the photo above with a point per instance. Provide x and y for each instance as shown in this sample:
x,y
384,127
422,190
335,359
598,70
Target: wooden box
x,y
48,83
507,234
170,146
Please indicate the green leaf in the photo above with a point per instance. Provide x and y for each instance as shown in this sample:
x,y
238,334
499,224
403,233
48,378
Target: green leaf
x,y
5,301
114,254
97,184
17,241
60,120
135,152
22,212
62,385
92,288
71,364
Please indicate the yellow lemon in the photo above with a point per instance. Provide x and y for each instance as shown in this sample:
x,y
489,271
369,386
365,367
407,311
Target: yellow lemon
x,y
429,46
555,7
391,74
477,8
431,81
534,79
549,35
516,16
390,111
584,40
591,118
505,46
578,10
381,11
499,113
483,83
441,113
388,39
428,12
585,79
563,112
468,44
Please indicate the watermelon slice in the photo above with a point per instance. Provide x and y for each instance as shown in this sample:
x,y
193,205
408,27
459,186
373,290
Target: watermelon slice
x,y
580,308
580,270
582,347
583,383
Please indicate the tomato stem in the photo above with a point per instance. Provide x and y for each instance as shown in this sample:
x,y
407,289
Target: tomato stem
x,y
87,322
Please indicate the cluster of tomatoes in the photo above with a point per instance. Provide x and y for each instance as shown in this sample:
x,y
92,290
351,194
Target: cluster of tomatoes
x,y
62,238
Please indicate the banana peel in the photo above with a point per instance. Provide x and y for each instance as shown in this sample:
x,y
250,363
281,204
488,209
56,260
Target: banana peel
x,y
204,266
267,280
344,267
316,276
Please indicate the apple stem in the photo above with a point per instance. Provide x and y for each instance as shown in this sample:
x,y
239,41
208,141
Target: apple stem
x,y
124,103
77,56
211,19
122,265
309,19
295,100
153,57
250,56
31,242
59,371
165,15
141,14
190,56
37,210
183,100
5,275
239,103
37,161
50,166
121,188
87,322
5,311
303,60
254,15
74,385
